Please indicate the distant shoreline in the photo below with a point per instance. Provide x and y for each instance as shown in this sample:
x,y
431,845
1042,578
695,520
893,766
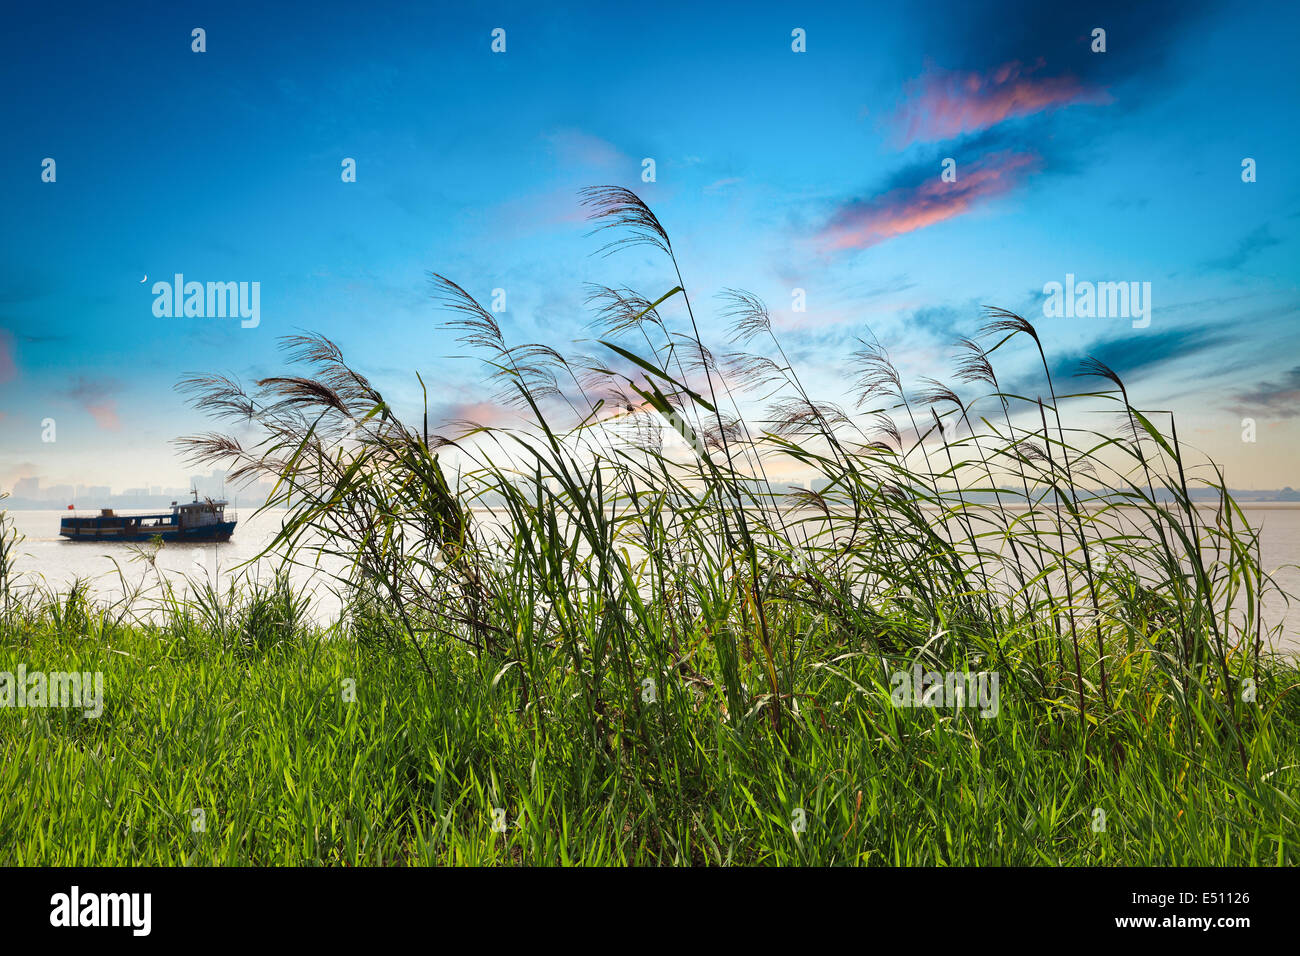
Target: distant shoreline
x,y
1210,505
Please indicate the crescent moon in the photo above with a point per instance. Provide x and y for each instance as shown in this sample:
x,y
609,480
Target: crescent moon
x,y
145,279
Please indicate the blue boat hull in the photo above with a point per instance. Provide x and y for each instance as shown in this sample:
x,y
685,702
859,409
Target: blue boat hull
x,y
206,533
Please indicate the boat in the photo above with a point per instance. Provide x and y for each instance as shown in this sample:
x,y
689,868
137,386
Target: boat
x,y
195,520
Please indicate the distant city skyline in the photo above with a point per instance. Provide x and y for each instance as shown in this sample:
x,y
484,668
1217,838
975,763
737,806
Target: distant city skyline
x,y
27,493
213,484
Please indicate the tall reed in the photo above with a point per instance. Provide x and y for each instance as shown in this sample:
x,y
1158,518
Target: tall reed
x,y
989,526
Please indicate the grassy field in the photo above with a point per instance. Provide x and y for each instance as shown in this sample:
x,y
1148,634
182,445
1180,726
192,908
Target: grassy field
x,y
261,736
650,658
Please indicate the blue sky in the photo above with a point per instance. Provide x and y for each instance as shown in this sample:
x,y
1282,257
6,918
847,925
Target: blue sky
x,y
775,170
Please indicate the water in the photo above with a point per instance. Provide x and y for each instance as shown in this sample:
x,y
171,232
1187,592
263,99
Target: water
x,y
1279,544
45,557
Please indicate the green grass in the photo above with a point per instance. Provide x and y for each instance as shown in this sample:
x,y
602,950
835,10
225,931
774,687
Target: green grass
x,y
643,656
288,772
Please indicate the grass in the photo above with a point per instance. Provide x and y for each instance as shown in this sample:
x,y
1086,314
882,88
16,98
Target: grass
x,y
642,655
288,771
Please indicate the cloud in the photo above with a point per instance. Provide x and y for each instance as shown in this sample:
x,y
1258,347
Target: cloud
x,y
940,320
580,159
490,414
1245,250
1280,399
105,415
860,223
945,104
723,183
872,288
11,476
95,398
574,147
979,35
1130,355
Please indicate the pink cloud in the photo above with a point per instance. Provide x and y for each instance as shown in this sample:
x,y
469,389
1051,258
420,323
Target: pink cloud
x,y
864,223
96,398
105,415
946,104
480,413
